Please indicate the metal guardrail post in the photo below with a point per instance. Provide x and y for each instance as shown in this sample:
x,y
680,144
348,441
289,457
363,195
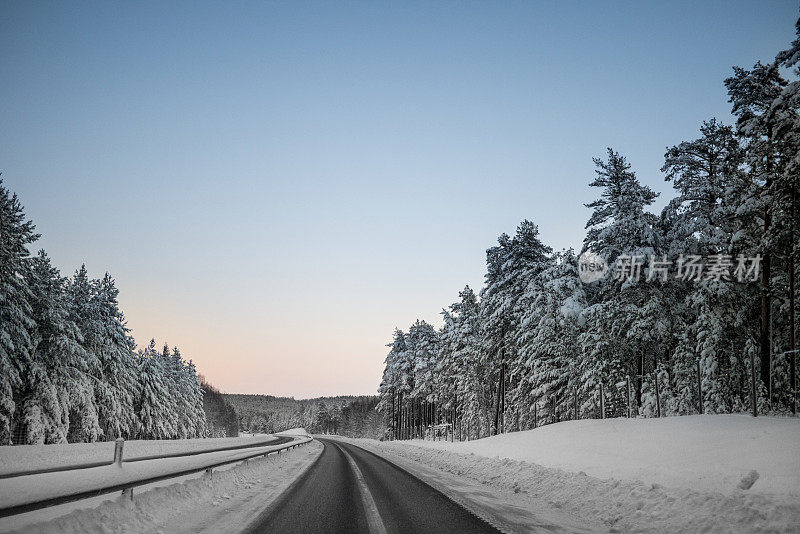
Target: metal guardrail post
x,y
118,446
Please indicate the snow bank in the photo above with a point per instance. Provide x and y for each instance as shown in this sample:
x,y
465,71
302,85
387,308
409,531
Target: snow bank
x,y
294,432
226,502
701,452
682,474
28,457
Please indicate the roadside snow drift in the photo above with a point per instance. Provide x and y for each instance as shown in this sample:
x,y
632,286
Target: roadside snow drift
x,y
701,452
302,432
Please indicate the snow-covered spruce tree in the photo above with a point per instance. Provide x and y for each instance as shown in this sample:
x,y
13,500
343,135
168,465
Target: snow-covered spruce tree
x,y
69,371
115,350
179,400
153,405
513,267
186,395
16,321
196,419
323,418
335,418
624,323
462,361
422,347
393,385
110,361
58,365
84,423
548,346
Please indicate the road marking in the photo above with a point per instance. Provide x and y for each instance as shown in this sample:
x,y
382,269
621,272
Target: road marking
x,y
374,521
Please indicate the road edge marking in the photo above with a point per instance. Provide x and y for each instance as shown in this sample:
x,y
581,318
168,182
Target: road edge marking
x,y
278,500
469,506
374,520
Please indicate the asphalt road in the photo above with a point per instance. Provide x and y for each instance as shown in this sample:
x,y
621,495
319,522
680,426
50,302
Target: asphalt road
x,y
351,490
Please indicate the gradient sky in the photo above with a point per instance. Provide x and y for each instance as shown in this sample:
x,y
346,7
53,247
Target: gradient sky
x,y
276,186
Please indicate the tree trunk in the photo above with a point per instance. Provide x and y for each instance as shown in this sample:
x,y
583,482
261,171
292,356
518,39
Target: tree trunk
x,y
394,420
503,396
792,345
498,406
640,379
401,417
658,391
765,340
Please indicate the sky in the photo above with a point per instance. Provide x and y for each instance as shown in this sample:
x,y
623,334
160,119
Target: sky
x,y
276,186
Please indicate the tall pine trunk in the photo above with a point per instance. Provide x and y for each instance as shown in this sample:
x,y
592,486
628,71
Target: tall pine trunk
x,y
500,389
765,339
792,345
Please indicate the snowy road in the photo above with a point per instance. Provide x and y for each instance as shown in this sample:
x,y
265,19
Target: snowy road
x,y
349,489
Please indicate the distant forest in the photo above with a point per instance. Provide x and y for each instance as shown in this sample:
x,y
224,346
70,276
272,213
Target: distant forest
x,y
353,416
221,418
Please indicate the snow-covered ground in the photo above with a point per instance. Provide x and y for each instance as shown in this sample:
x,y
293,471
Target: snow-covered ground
x,y
27,457
294,432
702,452
663,475
226,502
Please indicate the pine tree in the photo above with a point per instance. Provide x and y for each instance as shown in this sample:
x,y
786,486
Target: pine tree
x,y
709,222
624,326
83,417
16,321
323,420
155,416
463,364
752,93
192,392
111,364
59,360
115,349
648,323
513,267
392,387
422,349
785,114
618,224
549,350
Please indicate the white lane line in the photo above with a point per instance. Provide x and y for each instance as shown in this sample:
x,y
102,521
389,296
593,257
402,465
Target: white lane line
x,y
374,521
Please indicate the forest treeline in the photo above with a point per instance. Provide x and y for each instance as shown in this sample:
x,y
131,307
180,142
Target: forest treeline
x,y
346,415
221,417
69,368
695,314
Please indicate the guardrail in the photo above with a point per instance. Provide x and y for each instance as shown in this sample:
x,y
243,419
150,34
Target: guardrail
x,y
114,477
88,465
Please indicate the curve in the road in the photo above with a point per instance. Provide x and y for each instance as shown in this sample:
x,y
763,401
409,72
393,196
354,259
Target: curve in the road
x,y
329,497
